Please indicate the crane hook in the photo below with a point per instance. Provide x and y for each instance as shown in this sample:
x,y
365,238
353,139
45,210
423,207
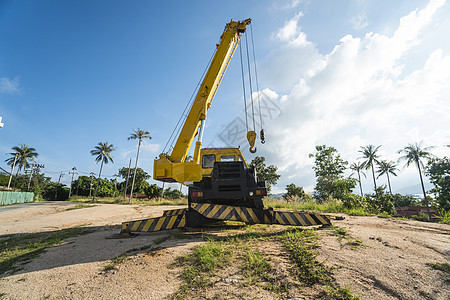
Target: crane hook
x,y
261,134
251,137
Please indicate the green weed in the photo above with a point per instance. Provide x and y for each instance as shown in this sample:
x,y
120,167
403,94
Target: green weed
x,y
120,200
332,206
444,267
161,239
79,206
342,234
445,217
301,245
118,260
344,293
257,269
201,265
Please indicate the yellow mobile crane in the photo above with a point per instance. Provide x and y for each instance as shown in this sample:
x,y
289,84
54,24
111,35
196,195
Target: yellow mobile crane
x,y
221,184
174,167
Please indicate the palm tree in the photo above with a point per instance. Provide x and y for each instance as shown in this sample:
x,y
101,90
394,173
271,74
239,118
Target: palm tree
x,y
371,156
21,157
358,167
138,134
413,153
103,153
387,167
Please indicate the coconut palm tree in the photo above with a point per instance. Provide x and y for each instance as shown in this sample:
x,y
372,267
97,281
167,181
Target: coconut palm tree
x,y
371,157
103,153
138,134
414,154
21,157
358,168
387,167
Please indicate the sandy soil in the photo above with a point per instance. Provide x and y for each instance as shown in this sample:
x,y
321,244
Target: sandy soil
x,y
391,264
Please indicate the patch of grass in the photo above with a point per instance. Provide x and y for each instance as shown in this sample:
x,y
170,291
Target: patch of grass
x,y
421,217
445,217
301,245
21,248
340,231
331,206
120,200
161,239
118,260
201,265
257,269
384,214
344,293
79,206
182,235
243,249
342,234
256,266
444,267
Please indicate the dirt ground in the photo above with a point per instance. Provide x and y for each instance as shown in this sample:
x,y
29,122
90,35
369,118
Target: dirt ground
x,y
391,264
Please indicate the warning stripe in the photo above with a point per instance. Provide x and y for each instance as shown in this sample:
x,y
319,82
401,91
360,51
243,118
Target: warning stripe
x,y
300,219
155,224
174,212
233,213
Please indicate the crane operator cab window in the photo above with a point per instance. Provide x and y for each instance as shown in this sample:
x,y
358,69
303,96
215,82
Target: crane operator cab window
x,y
227,158
208,161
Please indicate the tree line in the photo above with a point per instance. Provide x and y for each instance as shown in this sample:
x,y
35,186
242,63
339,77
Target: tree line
x,y
329,170
23,156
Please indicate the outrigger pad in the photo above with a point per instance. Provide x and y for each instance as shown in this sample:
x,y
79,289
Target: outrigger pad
x,y
155,224
174,212
300,218
233,213
259,216
199,214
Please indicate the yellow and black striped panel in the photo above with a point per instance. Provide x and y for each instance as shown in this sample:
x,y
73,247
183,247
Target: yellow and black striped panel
x,y
300,218
155,224
174,212
233,213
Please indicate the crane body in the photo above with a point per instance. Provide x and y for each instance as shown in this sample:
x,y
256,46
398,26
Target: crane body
x,y
221,184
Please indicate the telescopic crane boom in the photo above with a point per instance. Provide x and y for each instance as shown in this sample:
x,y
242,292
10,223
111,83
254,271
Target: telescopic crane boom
x,y
174,167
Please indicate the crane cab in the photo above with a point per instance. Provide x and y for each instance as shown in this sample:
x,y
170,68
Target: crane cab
x,y
188,172
208,156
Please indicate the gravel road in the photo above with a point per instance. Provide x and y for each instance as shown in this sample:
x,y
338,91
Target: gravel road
x,y
391,264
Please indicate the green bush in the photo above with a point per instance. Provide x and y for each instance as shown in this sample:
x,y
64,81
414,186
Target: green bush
x,y
421,217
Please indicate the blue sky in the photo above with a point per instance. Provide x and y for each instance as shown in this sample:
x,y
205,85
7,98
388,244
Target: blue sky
x,y
341,73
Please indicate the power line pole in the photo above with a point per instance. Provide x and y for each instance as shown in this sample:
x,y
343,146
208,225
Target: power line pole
x,y
91,184
34,170
12,170
115,185
71,181
59,181
126,185
31,174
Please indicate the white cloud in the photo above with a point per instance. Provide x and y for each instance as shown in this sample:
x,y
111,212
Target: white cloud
x,y
152,148
146,149
287,4
9,86
357,94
